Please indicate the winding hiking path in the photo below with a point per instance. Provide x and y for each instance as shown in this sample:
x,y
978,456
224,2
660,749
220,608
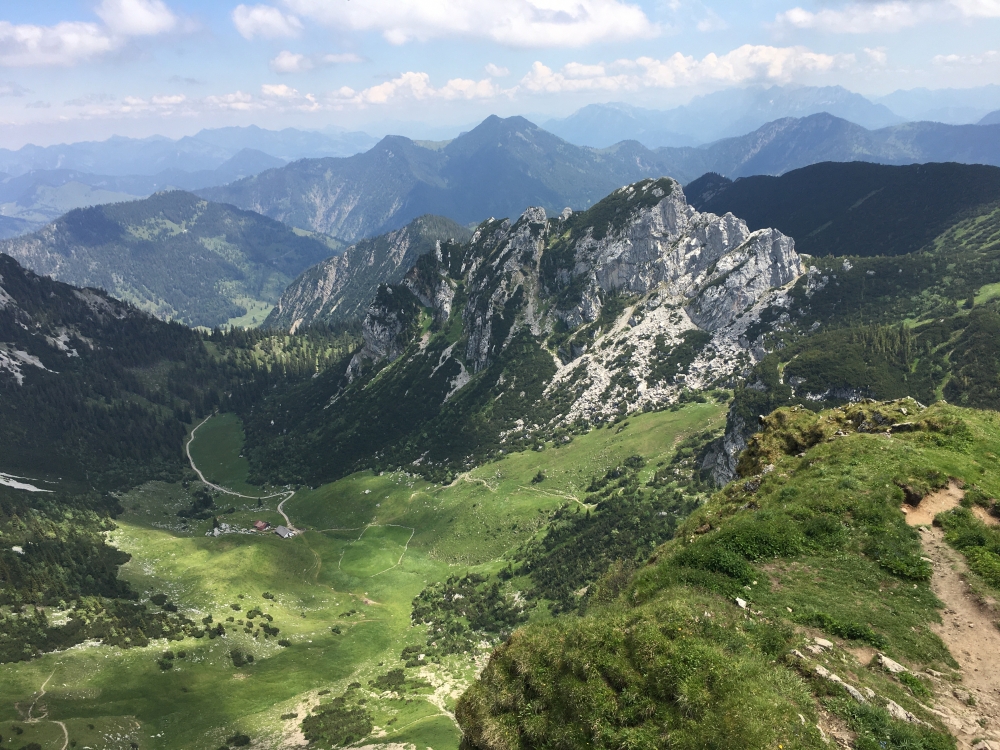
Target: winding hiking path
x,y
287,495
44,717
970,709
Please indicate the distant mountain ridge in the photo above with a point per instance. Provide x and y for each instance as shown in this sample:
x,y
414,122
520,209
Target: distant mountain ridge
x,y
708,118
206,150
35,198
854,208
175,255
506,163
494,170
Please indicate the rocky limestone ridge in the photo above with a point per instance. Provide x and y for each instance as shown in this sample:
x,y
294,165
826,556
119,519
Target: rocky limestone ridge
x,y
387,328
341,288
637,299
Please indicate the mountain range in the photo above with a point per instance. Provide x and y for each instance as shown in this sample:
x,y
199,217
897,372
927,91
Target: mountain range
x,y
205,150
30,200
505,163
724,114
175,255
493,170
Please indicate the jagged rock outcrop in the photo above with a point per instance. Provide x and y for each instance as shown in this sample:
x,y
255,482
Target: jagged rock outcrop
x,y
389,326
637,299
341,288
536,327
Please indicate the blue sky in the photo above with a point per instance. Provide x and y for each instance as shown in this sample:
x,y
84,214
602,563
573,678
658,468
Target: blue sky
x,y
80,69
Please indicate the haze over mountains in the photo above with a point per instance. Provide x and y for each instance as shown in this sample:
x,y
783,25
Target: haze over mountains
x,y
505,164
755,130
39,184
720,115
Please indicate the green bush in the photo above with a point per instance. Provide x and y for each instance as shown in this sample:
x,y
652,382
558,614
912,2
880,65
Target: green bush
x,y
337,724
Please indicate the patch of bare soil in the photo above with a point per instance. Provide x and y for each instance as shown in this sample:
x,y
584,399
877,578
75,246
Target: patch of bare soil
x,y
984,515
832,727
934,503
969,707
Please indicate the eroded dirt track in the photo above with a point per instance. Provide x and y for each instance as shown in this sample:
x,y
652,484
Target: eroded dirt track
x,y
969,707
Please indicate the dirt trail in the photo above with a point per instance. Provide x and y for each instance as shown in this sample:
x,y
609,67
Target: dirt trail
x,y
970,708
225,490
43,717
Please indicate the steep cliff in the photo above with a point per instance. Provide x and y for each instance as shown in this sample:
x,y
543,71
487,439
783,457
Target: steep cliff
x,y
341,288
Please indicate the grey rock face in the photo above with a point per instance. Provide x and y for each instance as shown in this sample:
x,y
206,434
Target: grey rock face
x,y
342,287
713,260
501,281
385,330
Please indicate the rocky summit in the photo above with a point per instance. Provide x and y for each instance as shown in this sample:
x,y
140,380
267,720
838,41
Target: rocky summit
x,y
636,299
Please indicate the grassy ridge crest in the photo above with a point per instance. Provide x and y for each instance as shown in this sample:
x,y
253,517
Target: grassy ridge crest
x,y
813,540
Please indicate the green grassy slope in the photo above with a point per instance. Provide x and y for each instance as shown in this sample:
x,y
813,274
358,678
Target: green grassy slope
x,y
343,592
814,540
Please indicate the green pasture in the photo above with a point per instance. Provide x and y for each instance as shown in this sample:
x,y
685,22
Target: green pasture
x,y
342,592
216,451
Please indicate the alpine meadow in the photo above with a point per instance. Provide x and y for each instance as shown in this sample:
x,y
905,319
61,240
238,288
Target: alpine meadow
x,y
452,375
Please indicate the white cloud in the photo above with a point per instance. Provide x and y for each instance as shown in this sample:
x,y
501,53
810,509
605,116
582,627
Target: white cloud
x,y
168,100
978,8
517,23
495,71
894,15
65,43
744,64
291,62
72,42
986,58
136,17
238,100
265,21
280,91
417,86
877,55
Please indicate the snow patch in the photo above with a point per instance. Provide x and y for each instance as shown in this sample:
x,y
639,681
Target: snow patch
x,y
9,480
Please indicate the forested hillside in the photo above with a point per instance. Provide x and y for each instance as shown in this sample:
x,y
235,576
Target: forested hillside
x,y
99,393
854,208
176,256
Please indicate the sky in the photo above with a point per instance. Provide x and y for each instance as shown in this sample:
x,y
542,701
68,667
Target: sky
x,y
74,70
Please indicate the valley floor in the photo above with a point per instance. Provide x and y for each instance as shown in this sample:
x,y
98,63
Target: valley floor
x,y
339,592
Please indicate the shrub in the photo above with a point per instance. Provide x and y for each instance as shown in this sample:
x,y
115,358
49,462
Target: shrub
x,y
337,724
